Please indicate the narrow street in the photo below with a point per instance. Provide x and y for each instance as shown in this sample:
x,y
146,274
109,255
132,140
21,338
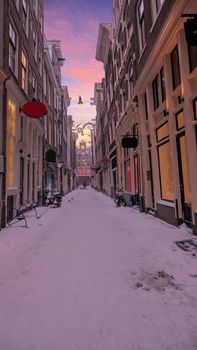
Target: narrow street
x,y
90,276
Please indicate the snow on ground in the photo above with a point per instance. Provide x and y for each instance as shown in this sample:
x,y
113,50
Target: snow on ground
x,y
91,276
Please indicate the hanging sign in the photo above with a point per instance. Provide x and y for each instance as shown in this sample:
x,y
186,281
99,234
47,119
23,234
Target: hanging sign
x,y
34,109
129,142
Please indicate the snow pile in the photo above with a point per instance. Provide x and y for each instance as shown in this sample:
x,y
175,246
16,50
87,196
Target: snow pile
x,y
91,276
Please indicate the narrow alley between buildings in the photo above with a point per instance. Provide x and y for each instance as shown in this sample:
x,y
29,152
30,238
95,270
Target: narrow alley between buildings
x,y
91,276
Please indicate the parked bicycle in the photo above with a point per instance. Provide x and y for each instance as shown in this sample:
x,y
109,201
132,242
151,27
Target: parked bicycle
x,y
119,199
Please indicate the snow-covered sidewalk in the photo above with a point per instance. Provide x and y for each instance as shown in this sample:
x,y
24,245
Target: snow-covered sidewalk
x,y
90,276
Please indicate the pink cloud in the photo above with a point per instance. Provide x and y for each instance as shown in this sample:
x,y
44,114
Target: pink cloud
x,y
78,47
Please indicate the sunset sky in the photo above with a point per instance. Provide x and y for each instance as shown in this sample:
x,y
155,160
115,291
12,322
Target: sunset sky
x,y
76,24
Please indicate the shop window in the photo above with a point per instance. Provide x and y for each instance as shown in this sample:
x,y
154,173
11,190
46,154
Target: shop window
x,y
11,130
176,76
165,170
128,175
179,120
162,132
192,57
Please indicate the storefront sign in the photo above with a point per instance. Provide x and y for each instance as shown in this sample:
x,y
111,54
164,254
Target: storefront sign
x,y
129,142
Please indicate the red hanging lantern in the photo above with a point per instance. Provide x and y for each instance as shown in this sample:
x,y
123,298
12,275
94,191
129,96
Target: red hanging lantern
x,y
34,109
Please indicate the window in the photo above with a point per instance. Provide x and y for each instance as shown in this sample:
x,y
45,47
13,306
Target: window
x,y
176,77
24,15
34,44
155,7
179,120
40,61
155,87
141,24
11,129
40,18
24,71
127,167
162,85
145,105
34,83
162,132
165,170
192,57
159,3
12,48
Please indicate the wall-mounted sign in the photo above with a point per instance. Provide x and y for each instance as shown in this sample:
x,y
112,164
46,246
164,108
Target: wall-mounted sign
x,y
129,142
34,109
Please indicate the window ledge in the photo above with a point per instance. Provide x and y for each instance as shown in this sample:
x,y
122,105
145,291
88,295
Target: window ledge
x,y
167,203
193,75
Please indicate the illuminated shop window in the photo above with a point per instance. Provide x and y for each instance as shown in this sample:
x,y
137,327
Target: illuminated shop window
x,y
11,129
165,164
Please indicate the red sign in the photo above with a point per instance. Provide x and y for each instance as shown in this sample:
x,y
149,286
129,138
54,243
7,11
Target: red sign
x,y
34,109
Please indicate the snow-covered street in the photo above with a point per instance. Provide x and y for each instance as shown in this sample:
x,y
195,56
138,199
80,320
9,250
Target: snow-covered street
x,y
90,276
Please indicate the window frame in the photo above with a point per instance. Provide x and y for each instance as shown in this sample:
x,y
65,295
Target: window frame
x,y
159,127
176,115
175,83
25,69
160,144
141,25
155,92
190,48
162,84
13,46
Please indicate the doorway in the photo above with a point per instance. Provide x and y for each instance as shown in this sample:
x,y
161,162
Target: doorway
x,y
184,179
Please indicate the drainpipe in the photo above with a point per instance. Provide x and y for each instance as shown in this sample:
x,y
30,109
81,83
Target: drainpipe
x,y
4,149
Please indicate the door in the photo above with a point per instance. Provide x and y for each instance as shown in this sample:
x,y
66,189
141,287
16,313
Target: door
x,y
137,178
21,180
184,179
